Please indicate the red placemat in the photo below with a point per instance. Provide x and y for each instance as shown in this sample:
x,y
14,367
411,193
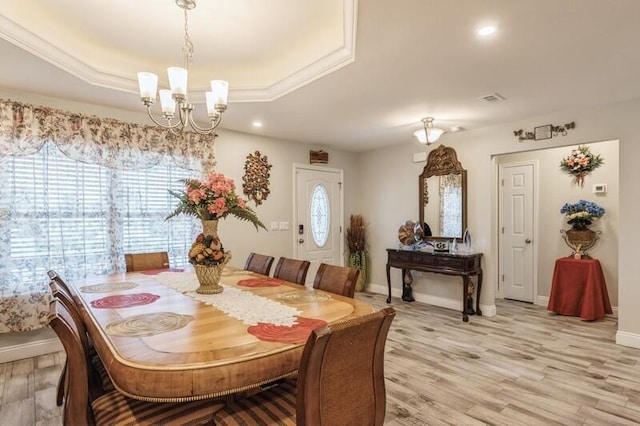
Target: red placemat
x,y
124,300
297,333
260,282
157,271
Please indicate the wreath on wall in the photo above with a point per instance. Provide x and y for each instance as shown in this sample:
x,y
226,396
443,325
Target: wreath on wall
x,y
255,182
580,163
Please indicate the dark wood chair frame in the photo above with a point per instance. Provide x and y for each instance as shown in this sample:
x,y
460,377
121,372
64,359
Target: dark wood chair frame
x,y
336,279
259,263
292,270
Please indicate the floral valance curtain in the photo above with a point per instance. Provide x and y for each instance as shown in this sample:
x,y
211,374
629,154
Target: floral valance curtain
x,y
25,128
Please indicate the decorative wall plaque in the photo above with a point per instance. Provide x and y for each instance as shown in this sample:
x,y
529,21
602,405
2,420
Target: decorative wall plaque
x,y
255,182
320,157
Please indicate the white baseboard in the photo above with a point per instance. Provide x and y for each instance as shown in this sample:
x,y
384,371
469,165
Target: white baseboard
x,y
444,302
542,301
30,349
628,339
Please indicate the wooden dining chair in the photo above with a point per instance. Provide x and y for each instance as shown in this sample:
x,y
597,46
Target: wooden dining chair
x,y
83,405
259,263
291,270
146,261
53,276
98,376
340,380
336,279
63,286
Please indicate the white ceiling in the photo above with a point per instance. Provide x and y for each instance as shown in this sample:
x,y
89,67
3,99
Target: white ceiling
x,y
354,75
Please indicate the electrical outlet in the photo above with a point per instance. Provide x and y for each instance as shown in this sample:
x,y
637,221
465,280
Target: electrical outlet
x,y
284,226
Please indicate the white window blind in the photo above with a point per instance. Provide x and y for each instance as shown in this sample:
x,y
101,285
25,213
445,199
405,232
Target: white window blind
x,y
81,218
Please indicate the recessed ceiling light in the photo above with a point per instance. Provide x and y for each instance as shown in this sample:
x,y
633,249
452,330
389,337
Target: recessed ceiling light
x,y
257,124
485,31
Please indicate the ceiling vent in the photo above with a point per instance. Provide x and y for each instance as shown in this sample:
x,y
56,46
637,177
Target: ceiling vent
x,y
494,97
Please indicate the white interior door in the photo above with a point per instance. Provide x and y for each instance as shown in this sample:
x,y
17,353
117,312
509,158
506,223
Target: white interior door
x,y
319,212
517,230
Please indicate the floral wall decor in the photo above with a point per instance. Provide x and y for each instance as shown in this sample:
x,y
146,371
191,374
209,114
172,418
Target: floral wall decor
x,y
580,163
255,182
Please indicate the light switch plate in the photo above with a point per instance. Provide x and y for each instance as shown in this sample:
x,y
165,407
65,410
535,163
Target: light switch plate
x,y
274,226
284,226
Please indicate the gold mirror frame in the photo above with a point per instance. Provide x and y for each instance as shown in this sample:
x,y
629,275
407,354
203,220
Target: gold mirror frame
x,y
442,161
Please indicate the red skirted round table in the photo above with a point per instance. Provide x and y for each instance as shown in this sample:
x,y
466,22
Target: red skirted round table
x,y
579,289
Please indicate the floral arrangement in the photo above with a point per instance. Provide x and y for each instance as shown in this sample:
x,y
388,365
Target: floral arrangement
x,y
580,163
214,198
581,214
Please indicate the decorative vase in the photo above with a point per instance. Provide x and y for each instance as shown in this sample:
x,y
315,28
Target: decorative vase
x,y
580,239
209,258
358,260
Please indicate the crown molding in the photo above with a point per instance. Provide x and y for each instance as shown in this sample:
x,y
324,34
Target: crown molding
x,y
45,50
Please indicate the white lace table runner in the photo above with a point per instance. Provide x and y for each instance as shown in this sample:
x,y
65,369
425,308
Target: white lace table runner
x,y
239,304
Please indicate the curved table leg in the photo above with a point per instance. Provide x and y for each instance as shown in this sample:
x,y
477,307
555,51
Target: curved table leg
x,y
465,290
478,311
389,283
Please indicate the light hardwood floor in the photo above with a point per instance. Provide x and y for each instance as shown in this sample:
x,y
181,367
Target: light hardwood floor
x,y
524,366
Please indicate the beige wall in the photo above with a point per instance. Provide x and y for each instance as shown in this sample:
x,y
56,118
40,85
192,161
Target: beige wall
x,y
382,186
391,197
554,188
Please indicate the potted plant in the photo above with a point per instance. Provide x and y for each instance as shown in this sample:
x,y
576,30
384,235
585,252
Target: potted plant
x,y
580,216
210,200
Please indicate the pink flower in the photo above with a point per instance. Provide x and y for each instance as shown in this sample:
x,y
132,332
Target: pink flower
x,y
218,207
241,203
196,195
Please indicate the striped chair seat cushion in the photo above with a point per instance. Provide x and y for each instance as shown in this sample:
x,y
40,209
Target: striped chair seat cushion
x,y
274,406
115,409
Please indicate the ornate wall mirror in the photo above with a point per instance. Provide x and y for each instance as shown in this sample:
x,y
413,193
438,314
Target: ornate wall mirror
x,y
442,193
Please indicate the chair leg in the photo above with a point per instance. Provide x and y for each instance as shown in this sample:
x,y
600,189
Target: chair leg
x,y
62,383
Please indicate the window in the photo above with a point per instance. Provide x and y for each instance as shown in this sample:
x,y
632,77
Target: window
x,y
81,218
320,215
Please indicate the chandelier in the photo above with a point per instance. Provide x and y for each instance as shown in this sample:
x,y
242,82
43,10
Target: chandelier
x,y
216,98
429,134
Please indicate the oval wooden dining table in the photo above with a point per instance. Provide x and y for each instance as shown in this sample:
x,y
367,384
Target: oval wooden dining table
x,y
161,341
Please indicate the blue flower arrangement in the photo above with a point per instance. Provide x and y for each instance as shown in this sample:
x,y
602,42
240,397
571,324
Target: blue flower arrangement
x,y
581,214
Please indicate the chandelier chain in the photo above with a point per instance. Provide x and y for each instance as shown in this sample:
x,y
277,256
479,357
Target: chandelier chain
x,y
188,44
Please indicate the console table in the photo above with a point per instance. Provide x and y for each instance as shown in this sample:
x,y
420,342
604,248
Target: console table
x,y
464,265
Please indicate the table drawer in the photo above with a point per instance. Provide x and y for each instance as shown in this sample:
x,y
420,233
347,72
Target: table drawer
x,y
425,259
450,262
400,256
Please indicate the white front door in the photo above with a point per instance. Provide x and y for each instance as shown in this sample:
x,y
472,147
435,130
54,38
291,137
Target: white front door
x,y
516,242
318,202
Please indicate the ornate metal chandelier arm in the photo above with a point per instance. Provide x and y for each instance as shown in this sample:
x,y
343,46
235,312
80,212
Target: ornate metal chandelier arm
x,y
214,123
165,126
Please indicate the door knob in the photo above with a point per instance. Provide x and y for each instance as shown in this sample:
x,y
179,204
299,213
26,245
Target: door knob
x,y
528,241
301,240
